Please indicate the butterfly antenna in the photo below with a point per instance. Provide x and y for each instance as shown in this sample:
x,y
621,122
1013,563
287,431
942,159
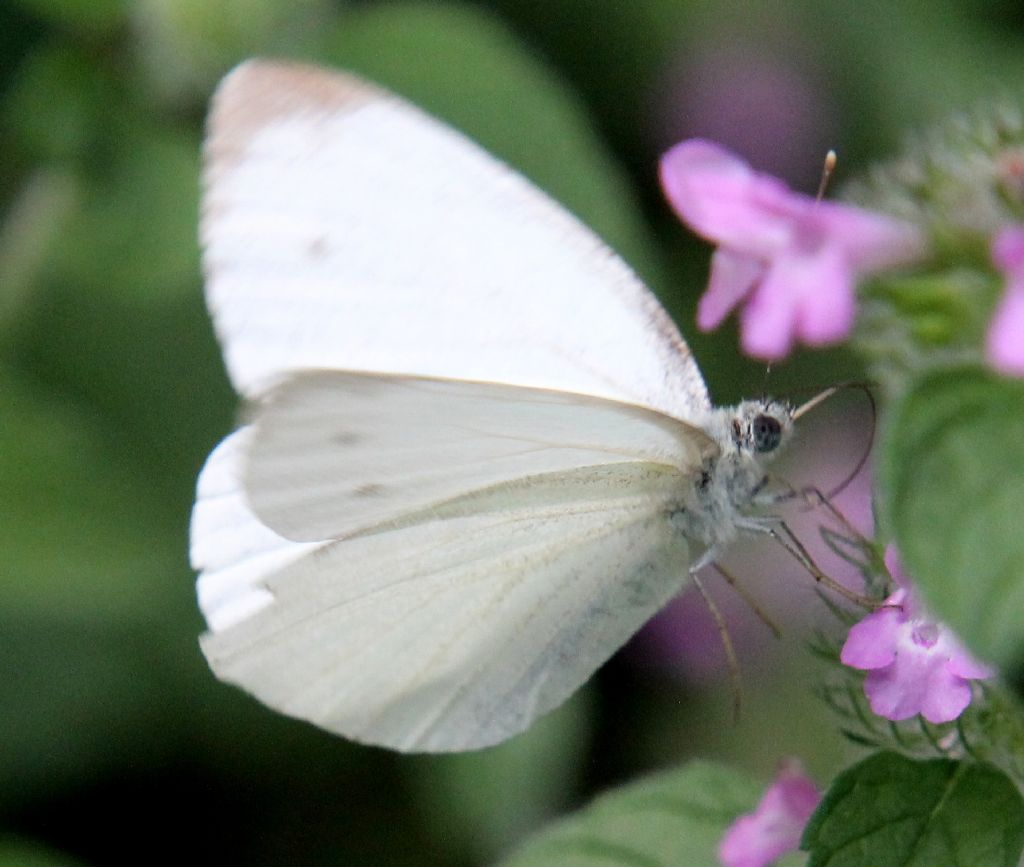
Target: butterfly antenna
x,y
826,174
822,396
764,384
735,681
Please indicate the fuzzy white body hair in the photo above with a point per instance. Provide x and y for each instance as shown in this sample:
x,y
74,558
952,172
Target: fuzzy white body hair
x,y
725,492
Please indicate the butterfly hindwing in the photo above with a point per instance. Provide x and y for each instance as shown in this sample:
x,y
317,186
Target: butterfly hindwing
x,y
457,633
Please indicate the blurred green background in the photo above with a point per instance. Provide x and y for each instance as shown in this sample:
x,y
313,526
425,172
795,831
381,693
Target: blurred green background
x,y
116,743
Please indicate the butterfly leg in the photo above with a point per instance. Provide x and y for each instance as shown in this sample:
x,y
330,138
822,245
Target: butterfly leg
x,y
710,558
813,497
853,547
735,678
740,591
735,681
779,530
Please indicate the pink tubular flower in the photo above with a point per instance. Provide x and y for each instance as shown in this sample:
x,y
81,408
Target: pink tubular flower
x,y
915,665
1005,341
794,260
774,828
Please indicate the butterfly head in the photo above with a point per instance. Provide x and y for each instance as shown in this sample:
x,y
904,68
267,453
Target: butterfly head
x,y
748,435
760,428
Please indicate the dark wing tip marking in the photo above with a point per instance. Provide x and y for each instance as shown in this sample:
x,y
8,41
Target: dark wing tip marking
x,y
256,93
259,91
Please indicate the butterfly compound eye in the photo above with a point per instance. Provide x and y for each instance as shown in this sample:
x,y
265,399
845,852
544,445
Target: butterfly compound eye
x,y
767,433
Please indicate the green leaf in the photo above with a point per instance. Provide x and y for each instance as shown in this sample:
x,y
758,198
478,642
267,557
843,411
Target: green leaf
x,y
134,233
184,46
953,495
669,819
33,225
466,67
82,539
129,227
77,698
891,811
491,798
22,853
59,104
85,17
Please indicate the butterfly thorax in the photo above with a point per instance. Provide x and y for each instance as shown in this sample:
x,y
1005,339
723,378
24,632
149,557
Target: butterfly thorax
x,y
748,437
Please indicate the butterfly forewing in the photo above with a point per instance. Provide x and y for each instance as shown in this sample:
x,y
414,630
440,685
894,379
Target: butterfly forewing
x,y
334,452
344,228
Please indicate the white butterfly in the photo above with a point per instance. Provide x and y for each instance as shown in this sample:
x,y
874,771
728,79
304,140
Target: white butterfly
x,y
480,455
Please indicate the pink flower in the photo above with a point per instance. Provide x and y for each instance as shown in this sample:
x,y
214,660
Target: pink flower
x,y
793,260
916,665
1005,342
774,828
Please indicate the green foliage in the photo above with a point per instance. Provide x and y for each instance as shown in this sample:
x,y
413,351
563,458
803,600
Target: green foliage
x,y
78,94
134,231
666,820
953,495
184,46
76,698
68,554
92,18
36,220
490,798
890,811
21,853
